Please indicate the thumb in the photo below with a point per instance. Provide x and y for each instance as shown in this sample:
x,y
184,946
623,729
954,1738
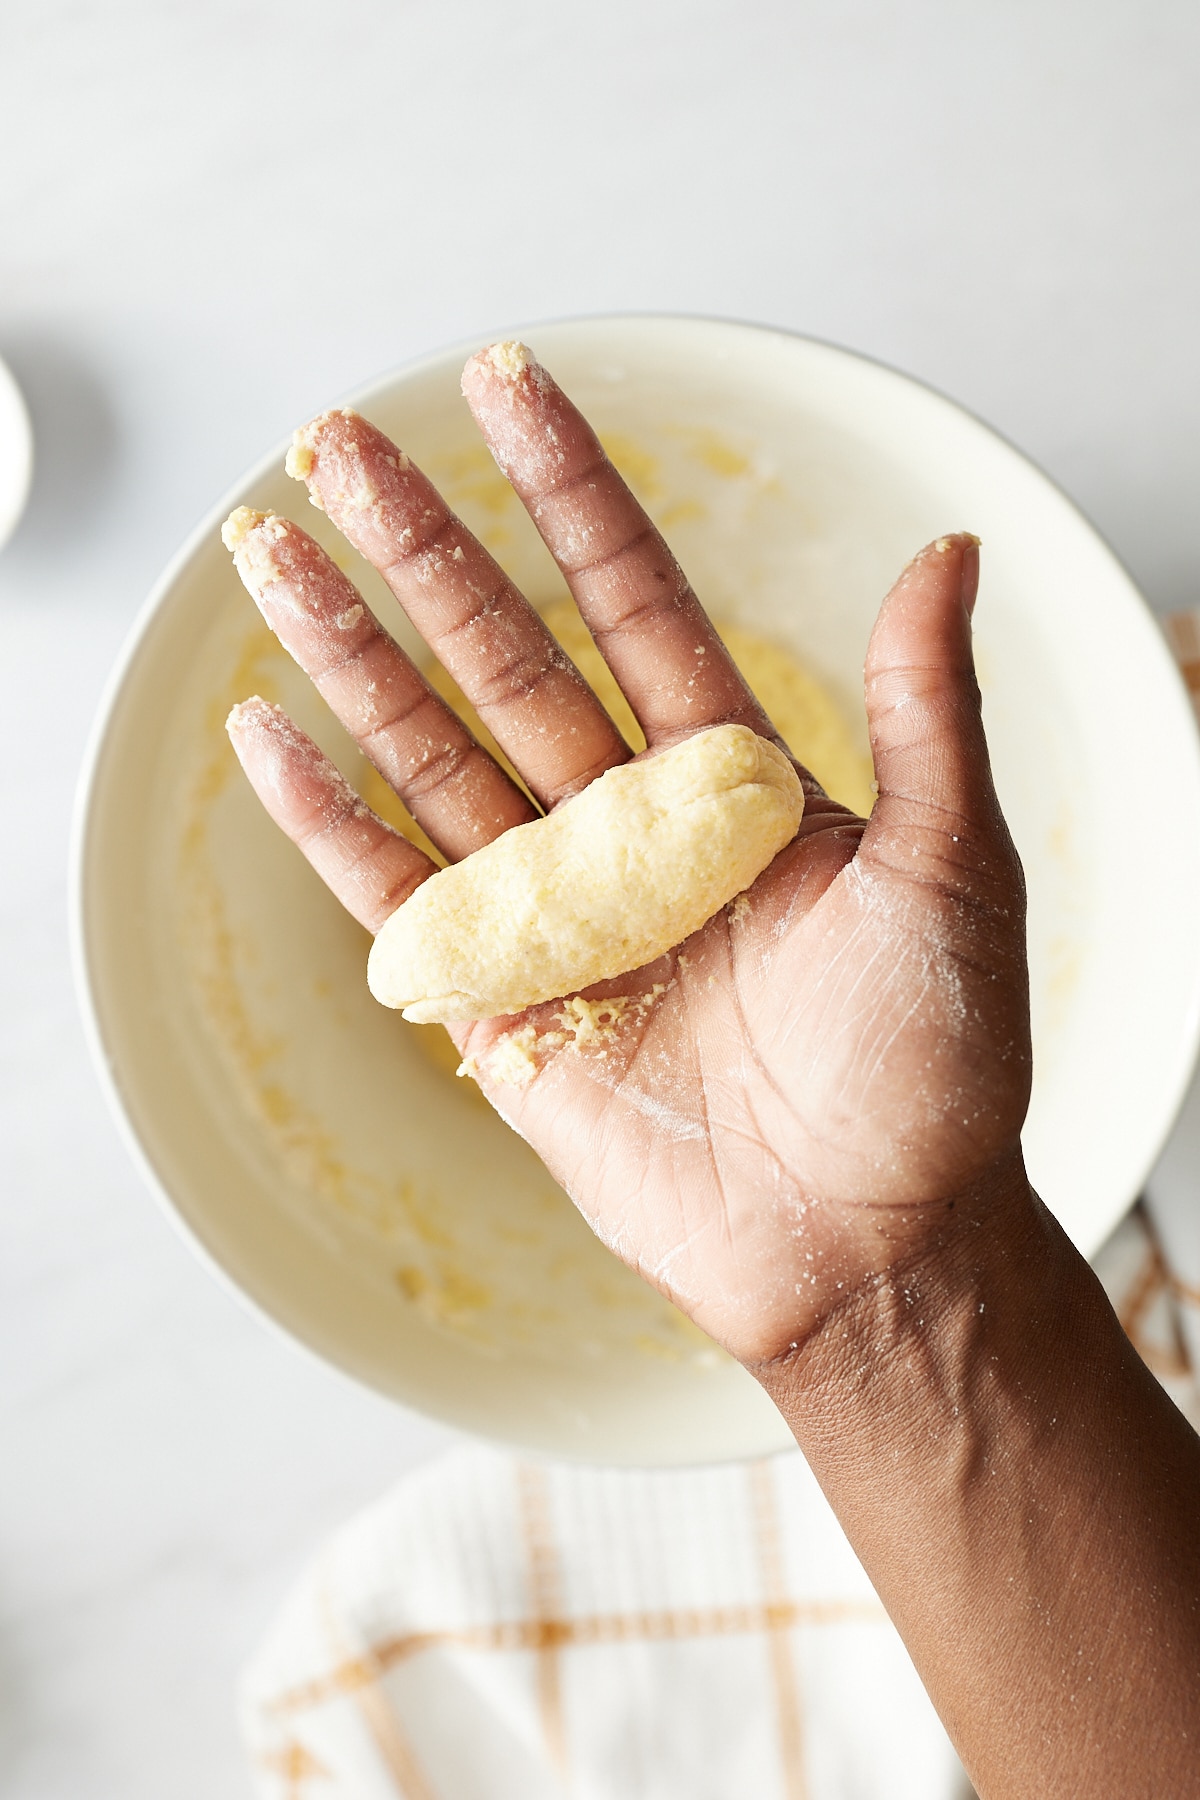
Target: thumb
x,y
923,710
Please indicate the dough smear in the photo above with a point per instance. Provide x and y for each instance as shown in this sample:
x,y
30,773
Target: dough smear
x,y
630,867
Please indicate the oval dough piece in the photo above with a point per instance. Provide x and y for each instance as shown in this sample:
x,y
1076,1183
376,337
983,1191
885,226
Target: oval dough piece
x,y
631,866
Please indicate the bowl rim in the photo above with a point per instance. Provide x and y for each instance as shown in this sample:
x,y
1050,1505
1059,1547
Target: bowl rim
x,y
15,419
83,847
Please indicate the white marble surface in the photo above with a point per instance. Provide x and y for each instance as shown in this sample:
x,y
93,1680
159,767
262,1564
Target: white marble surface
x,y
218,218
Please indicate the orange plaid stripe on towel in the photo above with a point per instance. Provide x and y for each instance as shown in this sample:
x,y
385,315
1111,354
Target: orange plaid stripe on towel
x,y
499,1629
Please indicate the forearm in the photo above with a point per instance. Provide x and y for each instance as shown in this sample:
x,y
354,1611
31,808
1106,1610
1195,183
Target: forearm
x,y
1027,1502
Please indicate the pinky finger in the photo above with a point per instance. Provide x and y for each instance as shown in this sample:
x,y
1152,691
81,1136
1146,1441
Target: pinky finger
x,y
369,867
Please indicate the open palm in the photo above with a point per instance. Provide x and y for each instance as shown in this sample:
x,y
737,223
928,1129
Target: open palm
x,y
795,1100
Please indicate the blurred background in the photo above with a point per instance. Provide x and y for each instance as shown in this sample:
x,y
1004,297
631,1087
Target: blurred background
x,y
218,219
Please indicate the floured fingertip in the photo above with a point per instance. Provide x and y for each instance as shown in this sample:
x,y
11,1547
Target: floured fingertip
x,y
307,439
251,536
240,523
301,458
285,767
344,461
509,359
255,711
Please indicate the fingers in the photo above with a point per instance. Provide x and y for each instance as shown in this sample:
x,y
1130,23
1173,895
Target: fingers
x,y
454,790
650,628
527,691
369,867
936,797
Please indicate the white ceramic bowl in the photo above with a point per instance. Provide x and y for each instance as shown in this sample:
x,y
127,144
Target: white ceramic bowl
x,y
374,1208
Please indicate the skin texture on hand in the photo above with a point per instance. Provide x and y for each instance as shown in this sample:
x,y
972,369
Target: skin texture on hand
x,y
833,1063
807,1131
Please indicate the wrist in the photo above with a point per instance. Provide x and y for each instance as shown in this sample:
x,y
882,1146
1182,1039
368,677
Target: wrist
x,y
990,1266
1022,1495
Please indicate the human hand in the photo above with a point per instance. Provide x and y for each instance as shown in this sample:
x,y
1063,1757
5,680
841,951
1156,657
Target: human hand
x,y
834,1078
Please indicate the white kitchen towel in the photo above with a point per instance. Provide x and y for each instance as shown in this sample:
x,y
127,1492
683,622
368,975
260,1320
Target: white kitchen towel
x,y
496,1629
499,1629
505,1630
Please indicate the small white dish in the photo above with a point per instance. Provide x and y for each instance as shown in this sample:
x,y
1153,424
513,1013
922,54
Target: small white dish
x,y
16,453
372,1207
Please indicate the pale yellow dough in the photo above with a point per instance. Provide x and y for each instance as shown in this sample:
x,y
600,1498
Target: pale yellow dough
x,y
629,868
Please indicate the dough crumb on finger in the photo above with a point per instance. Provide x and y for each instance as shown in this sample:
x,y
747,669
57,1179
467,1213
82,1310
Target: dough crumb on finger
x,y
591,1021
509,358
249,534
343,427
240,523
511,1059
298,463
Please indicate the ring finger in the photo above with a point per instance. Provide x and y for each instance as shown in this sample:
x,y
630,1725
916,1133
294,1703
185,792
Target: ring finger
x,y
452,787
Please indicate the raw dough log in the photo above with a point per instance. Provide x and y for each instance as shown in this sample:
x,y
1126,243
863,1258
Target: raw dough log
x,y
634,864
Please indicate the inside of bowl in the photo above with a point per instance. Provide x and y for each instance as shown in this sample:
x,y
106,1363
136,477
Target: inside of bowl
x,y
313,1143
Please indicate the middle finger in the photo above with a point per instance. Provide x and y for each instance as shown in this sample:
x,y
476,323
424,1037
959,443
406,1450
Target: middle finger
x,y
649,626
